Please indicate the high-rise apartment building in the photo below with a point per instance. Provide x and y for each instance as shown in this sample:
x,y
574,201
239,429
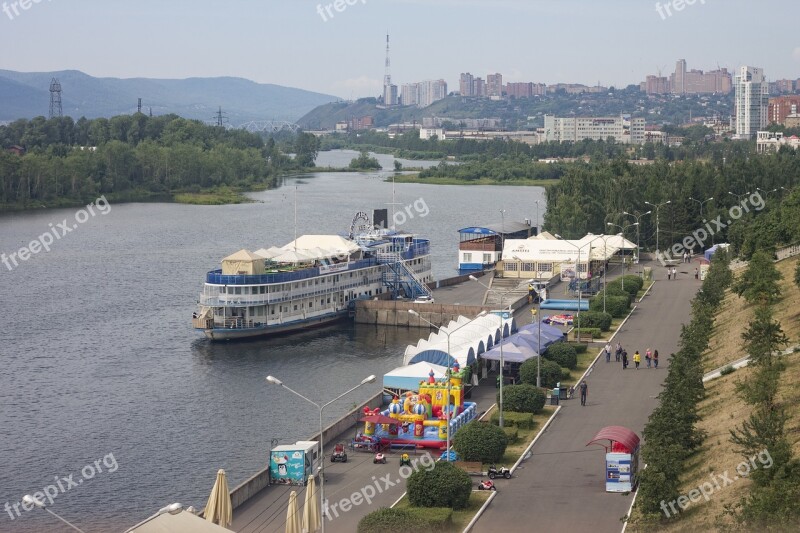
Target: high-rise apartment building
x,y
494,85
478,87
409,94
751,101
424,93
465,85
679,78
781,107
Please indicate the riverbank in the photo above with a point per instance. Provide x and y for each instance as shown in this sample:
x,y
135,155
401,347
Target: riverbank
x,y
414,178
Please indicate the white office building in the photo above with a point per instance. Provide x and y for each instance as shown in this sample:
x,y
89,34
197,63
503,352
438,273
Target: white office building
x,y
751,102
621,129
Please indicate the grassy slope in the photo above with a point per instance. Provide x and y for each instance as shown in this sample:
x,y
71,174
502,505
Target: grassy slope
x,y
722,410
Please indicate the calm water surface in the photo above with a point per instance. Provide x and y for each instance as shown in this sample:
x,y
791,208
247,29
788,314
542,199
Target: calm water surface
x,y
98,357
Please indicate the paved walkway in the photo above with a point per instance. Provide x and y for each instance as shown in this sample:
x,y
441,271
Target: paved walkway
x,y
562,485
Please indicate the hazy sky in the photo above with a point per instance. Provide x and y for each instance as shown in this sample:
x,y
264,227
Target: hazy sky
x,y
287,42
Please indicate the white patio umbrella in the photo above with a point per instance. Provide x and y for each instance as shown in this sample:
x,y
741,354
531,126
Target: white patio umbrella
x,y
292,523
219,509
311,512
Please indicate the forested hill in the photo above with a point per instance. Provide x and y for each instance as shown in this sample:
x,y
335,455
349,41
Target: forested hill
x,y
27,95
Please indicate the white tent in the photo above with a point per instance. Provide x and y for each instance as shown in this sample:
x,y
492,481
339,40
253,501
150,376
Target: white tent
x,y
269,253
468,339
408,377
243,262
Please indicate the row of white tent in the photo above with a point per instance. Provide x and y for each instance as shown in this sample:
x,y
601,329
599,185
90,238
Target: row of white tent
x,y
482,338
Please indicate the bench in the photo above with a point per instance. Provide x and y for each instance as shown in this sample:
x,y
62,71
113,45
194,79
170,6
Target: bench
x,y
473,468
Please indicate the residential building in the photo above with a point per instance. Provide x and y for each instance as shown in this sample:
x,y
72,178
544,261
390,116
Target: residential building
x,y
656,85
431,91
575,129
771,141
478,87
792,120
785,86
426,133
678,79
782,106
494,85
390,94
750,104
409,94
683,81
466,84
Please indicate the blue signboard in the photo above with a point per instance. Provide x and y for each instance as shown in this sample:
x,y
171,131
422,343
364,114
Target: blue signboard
x,y
287,467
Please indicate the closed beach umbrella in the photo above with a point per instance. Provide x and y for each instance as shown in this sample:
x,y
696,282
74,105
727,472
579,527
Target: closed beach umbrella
x,y
219,509
292,523
311,512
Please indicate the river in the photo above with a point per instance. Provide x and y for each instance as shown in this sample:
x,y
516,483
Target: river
x,y
99,361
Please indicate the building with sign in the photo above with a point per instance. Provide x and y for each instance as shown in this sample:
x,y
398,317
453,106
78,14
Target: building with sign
x,y
545,257
480,248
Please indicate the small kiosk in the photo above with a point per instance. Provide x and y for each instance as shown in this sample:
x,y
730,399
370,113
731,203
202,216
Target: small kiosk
x,y
622,457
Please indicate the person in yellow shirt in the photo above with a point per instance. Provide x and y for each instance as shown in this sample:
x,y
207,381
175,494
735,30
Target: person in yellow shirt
x,y
637,358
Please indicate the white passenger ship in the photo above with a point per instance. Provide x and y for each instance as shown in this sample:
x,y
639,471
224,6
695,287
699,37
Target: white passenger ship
x,y
311,281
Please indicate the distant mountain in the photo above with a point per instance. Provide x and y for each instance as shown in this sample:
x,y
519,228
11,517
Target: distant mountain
x,y
27,94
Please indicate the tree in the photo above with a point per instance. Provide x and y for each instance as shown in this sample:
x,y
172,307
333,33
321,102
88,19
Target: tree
x,y
562,353
445,485
364,162
759,282
797,275
480,441
306,147
550,372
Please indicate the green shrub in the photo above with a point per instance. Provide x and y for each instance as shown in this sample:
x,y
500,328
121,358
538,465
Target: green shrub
x,y
523,398
633,284
613,290
480,441
512,418
579,347
596,319
550,372
437,518
386,520
616,306
512,433
562,353
445,485
565,374
727,370
587,332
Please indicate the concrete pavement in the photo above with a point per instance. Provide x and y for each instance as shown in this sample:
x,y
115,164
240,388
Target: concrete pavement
x,y
562,484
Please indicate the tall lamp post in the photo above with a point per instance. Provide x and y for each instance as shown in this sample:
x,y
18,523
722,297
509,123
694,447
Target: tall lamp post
x,y
623,228
702,203
502,359
605,267
739,196
578,275
537,216
35,502
638,226
275,381
448,333
658,206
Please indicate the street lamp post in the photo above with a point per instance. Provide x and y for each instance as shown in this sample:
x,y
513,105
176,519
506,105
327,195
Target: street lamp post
x,y
637,217
739,196
448,333
537,216
173,508
623,228
35,502
605,267
702,203
578,276
275,381
658,206
502,359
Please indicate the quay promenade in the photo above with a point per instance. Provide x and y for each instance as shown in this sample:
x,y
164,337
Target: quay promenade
x,y
265,512
562,484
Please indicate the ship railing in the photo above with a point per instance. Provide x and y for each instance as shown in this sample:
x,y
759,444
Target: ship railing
x,y
216,277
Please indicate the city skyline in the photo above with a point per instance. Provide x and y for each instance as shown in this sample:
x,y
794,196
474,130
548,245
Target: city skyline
x,y
341,52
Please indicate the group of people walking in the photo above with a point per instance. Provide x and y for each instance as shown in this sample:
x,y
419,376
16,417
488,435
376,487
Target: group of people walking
x,y
620,354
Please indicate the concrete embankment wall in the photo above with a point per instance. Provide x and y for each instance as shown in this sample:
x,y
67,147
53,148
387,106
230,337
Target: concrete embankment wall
x,y
256,483
395,313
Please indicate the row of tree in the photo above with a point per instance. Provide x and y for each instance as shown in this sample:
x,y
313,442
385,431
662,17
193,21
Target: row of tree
x,y
671,434
71,162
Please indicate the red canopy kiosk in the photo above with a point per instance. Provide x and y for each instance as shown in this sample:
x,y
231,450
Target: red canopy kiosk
x,y
622,457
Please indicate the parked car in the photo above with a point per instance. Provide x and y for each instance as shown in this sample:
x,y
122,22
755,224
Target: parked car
x,y
424,300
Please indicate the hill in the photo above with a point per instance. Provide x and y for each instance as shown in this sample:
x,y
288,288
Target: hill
x,y
26,95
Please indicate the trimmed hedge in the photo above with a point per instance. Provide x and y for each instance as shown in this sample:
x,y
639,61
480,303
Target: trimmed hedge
x,y
386,520
562,353
596,319
550,373
444,485
579,347
437,518
480,441
617,306
512,433
592,332
512,418
523,398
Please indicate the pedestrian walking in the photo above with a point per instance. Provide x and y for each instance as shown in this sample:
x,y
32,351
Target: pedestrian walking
x,y
618,352
655,358
696,273
584,392
608,352
674,273
624,360
669,273
637,358
648,356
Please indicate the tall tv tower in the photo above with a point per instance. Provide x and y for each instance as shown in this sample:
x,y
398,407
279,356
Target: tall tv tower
x,y
387,78
389,90
55,99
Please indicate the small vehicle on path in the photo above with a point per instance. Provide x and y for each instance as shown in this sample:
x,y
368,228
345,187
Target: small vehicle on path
x,y
497,472
339,453
379,458
487,485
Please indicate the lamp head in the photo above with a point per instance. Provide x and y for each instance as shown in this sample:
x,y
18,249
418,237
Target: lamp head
x,y
274,380
557,236
173,508
412,312
30,500
368,379
473,278
647,213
